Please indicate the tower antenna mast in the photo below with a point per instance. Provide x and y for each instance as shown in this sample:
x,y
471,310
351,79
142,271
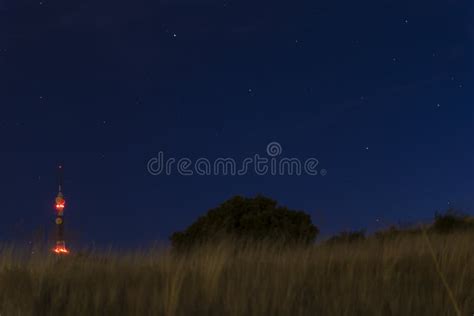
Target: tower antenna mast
x,y
60,204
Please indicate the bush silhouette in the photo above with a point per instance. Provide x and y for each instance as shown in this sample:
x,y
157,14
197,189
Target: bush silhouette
x,y
347,237
452,221
249,219
393,232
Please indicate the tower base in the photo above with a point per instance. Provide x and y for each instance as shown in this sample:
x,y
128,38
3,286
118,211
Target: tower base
x,y
60,248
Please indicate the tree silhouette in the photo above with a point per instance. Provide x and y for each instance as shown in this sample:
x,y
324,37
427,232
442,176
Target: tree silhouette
x,y
249,219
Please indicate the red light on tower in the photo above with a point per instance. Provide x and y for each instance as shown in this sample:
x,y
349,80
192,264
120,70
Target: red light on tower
x,y
60,203
60,248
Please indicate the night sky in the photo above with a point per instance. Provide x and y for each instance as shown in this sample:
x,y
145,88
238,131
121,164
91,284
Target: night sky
x,y
380,92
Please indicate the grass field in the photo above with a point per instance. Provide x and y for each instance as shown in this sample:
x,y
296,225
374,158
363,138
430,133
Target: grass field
x,y
371,277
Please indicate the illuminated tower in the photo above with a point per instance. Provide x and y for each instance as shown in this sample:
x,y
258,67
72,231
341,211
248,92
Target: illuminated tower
x,y
60,205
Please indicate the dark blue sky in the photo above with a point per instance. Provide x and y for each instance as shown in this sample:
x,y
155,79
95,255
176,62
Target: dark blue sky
x,y
381,92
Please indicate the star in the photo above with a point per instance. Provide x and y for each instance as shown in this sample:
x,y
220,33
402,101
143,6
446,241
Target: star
x,y
438,105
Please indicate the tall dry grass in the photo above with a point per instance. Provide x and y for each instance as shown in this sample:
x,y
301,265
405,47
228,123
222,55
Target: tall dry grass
x,y
372,277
